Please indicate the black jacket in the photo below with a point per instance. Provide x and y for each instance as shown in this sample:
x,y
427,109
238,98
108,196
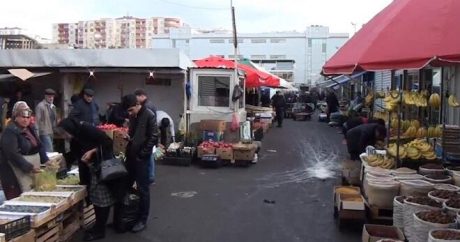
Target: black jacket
x,y
14,145
148,104
278,102
143,133
359,137
84,111
332,103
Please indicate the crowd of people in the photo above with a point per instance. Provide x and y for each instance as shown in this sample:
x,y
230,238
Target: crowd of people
x,y
25,143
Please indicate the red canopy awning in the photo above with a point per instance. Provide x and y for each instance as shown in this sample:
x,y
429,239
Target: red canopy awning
x,y
253,76
407,34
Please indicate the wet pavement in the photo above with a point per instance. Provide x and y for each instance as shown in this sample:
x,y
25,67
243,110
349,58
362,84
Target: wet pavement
x,y
287,196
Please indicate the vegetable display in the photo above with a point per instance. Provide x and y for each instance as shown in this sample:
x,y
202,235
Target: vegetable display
x,y
23,209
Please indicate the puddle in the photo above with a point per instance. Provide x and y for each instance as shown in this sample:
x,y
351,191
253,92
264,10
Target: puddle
x,y
188,194
318,163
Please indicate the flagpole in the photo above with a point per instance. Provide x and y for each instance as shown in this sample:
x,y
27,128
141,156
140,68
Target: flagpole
x,y
235,55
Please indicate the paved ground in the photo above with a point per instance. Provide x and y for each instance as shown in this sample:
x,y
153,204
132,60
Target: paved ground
x,y
227,205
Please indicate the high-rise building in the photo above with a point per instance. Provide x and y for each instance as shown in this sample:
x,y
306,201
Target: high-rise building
x,y
297,57
124,32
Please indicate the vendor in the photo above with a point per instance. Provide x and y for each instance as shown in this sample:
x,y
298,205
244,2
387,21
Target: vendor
x,y
21,152
358,138
166,127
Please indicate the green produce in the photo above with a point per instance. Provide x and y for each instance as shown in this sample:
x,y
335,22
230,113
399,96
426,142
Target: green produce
x,y
67,189
45,180
44,199
69,180
23,209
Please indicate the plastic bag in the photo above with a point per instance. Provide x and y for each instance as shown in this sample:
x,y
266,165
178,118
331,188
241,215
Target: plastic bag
x,y
129,212
45,180
235,122
182,125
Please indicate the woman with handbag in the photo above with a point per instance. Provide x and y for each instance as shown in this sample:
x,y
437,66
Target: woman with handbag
x,y
96,148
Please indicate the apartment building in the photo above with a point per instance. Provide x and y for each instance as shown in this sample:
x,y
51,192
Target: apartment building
x,y
124,32
295,56
13,38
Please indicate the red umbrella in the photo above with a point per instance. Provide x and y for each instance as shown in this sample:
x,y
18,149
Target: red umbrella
x,y
253,77
407,34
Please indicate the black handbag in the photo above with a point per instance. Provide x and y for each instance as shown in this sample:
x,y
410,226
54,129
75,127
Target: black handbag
x,y
112,169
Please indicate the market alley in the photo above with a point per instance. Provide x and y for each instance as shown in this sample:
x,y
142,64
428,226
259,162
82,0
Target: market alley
x,y
286,197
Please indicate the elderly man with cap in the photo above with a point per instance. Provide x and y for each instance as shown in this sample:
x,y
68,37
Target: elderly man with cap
x,y
46,119
85,109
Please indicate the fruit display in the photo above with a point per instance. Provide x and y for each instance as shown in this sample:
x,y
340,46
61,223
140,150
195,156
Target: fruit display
x,y
424,201
347,190
381,161
446,234
444,194
453,202
419,148
23,209
434,131
69,180
452,101
369,99
391,100
68,189
45,180
415,98
106,127
43,199
437,217
435,100
392,151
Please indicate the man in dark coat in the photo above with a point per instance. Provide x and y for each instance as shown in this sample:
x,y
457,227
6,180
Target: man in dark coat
x,y
332,103
359,137
143,99
85,109
142,135
279,104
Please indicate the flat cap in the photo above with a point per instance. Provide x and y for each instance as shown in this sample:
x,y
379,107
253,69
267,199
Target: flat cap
x,y
49,91
89,92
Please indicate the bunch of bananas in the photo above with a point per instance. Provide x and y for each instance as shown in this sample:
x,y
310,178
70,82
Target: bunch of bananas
x,y
391,100
380,115
421,132
435,100
434,132
411,132
420,148
381,161
392,150
380,95
369,99
452,101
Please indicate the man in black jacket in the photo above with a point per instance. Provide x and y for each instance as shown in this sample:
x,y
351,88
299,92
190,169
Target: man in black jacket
x,y
279,104
142,98
359,137
142,135
85,109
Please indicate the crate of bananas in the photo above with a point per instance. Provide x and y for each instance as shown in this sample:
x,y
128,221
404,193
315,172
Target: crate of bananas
x,y
381,161
414,150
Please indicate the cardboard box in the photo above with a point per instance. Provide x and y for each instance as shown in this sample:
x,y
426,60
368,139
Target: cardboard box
x,y
225,153
357,191
213,136
351,202
374,232
203,151
213,125
119,143
244,151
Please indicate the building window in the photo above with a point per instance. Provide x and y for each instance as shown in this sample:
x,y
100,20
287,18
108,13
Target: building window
x,y
258,41
309,43
158,81
214,91
323,47
275,57
233,57
216,41
277,40
258,57
239,41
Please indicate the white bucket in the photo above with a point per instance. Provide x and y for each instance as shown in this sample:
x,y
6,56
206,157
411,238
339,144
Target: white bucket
x,y
432,239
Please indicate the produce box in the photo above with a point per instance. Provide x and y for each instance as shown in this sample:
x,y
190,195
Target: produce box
x,y
225,153
373,233
12,227
28,237
351,202
119,143
212,136
244,151
213,125
38,214
205,150
344,190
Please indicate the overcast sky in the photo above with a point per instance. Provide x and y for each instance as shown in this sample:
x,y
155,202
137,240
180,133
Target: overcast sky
x,y
252,16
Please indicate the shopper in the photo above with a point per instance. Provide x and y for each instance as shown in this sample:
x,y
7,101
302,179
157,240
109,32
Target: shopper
x,y
85,109
21,152
332,104
46,119
96,146
142,136
142,98
279,104
358,138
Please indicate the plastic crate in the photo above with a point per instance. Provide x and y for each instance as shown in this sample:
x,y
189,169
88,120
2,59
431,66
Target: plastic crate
x,y
177,160
15,228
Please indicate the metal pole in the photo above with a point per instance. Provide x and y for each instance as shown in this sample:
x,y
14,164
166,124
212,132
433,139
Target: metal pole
x,y
443,109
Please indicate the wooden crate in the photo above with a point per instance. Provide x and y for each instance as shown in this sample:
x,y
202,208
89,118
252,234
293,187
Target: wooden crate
x,y
51,235
69,227
29,236
379,215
